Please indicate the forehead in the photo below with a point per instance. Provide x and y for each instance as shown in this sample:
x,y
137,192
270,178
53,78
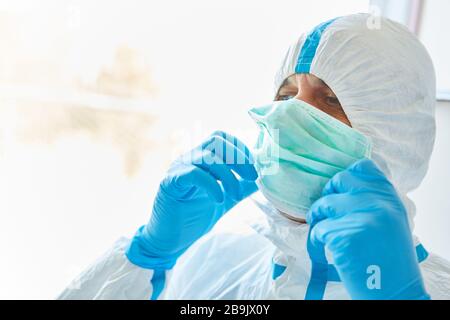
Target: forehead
x,y
292,80
302,80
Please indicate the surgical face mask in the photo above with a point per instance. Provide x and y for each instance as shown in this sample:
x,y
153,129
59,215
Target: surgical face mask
x,y
299,149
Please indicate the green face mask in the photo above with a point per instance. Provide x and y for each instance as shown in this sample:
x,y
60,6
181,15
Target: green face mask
x,y
298,150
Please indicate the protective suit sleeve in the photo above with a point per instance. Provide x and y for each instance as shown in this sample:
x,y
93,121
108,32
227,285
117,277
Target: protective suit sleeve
x,y
113,277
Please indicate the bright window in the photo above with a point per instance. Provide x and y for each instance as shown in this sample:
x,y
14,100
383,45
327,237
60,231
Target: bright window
x,y
96,97
433,28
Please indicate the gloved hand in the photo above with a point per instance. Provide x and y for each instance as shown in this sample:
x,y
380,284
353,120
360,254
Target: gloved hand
x,y
363,223
199,189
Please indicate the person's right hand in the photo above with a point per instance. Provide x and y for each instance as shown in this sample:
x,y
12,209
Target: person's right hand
x,y
199,189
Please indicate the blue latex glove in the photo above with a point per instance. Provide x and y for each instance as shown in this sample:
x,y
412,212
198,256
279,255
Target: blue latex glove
x,y
363,223
199,189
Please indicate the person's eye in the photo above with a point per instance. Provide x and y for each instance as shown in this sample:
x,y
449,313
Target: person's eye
x,y
332,101
285,97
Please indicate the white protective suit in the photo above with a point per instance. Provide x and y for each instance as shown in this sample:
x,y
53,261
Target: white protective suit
x,y
385,82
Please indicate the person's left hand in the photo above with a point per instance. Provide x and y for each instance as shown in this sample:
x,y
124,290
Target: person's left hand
x,y
361,220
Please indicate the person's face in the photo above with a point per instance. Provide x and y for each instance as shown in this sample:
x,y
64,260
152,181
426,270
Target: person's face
x,y
312,90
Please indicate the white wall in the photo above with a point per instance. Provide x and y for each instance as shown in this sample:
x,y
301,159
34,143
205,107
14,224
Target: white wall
x,y
433,196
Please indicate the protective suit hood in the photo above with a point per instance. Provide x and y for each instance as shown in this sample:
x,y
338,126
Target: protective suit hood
x,y
385,81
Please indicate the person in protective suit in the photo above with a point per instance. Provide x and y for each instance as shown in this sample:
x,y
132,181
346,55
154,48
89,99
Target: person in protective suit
x,y
348,85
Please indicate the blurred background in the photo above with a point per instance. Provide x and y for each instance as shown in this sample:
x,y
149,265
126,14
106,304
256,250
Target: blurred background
x,y
98,97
